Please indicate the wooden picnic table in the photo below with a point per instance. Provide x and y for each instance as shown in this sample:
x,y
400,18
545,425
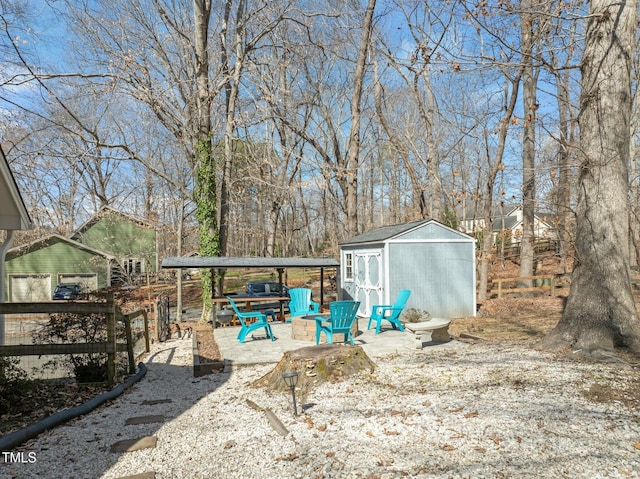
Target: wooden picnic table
x,y
249,300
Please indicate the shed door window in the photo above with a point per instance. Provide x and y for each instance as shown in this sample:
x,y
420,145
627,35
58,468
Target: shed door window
x,y
348,266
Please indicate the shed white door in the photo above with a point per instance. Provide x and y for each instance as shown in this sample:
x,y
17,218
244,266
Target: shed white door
x,y
29,288
368,279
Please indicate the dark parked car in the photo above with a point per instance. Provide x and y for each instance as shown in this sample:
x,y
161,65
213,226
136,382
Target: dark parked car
x,y
67,291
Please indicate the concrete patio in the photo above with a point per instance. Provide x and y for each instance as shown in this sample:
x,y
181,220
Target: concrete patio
x,y
259,349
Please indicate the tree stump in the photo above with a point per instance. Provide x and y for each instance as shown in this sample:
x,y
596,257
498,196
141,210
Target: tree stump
x,y
316,365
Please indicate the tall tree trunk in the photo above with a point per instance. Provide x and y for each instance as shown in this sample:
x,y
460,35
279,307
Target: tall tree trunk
x,y
600,313
417,188
231,89
353,147
564,180
179,252
205,194
427,112
495,166
529,81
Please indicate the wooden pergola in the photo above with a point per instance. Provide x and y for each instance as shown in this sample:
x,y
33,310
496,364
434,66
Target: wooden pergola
x,y
247,262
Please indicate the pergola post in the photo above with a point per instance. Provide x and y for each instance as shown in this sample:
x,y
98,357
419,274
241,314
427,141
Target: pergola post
x,y
280,283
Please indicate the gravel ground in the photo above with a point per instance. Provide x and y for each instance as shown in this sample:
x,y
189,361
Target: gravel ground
x,y
470,411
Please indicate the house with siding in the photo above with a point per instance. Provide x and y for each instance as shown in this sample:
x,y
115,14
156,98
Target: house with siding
x,y
507,222
130,240
112,247
34,270
435,262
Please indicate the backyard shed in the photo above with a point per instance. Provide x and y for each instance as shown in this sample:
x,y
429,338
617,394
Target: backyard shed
x,y
435,262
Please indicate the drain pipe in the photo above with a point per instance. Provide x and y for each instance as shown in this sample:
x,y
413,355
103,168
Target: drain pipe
x,y
4,247
21,436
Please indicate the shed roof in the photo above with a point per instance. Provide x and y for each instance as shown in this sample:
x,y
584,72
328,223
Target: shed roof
x,y
386,233
13,212
183,262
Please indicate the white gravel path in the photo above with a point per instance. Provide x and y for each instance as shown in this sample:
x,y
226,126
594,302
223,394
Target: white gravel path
x,y
469,411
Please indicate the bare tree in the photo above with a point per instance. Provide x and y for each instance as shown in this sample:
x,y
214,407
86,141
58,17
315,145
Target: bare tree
x,y
560,63
427,29
528,44
352,157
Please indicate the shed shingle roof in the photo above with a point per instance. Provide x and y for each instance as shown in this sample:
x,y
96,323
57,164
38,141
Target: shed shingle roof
x,y
384,233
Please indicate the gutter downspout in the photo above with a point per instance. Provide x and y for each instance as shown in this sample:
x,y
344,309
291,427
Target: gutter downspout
x,y
4,247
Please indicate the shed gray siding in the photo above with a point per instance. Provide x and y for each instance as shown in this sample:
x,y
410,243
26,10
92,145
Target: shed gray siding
x,y
440,276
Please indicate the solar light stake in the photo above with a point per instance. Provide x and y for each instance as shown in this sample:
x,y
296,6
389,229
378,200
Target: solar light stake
x,y
292,379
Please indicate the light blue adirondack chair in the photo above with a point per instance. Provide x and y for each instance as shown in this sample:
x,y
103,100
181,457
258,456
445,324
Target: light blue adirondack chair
x,y
259,323
301,304
390,313
343,314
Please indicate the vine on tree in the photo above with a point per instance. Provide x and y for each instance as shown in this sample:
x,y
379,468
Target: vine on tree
x,y
206,215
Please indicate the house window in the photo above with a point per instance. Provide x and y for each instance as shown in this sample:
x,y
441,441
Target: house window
x,y
133,266
348,266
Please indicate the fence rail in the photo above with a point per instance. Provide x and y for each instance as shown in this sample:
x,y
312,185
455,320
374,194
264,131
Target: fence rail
x,y
550,283
540,245
110,347
541,283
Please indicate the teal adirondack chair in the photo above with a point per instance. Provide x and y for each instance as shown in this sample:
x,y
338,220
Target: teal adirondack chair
x,y
343,314
390,313
246,328
301,304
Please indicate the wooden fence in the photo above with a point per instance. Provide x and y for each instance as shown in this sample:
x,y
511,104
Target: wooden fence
x,y
109,347
541,283
546,283
540,245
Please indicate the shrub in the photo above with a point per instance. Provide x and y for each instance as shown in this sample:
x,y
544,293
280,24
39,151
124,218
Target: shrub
x,y
71,328
14,384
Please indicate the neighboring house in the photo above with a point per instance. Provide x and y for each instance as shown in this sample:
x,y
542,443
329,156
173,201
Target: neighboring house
x,y
34,269
510,222
112,247
131,240
435,262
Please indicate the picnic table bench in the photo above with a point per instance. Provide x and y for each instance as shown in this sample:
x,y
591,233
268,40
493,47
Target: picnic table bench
x,y
439,328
